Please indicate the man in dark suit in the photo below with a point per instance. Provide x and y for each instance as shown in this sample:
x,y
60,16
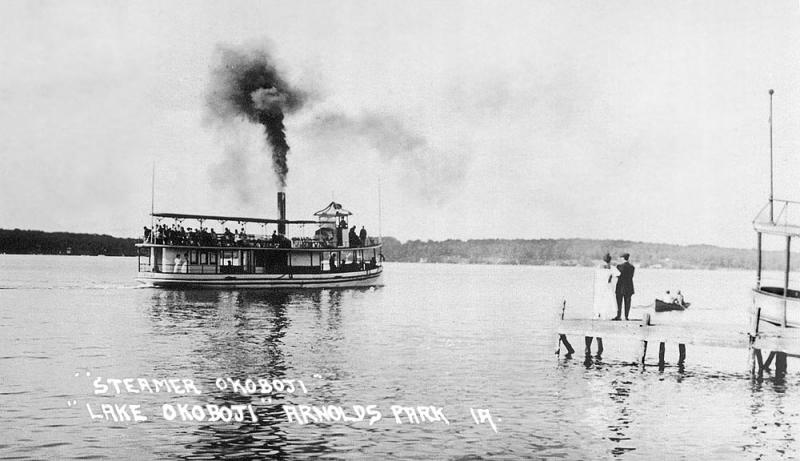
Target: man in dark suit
x,y
624,288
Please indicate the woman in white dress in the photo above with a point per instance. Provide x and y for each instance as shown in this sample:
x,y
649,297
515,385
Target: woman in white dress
x,y
605,282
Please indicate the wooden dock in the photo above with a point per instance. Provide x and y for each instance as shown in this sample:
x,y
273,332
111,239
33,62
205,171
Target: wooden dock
x,y
780,342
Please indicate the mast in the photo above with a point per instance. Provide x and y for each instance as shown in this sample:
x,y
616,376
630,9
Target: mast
x,y
153,202
380,232
153,190
771,207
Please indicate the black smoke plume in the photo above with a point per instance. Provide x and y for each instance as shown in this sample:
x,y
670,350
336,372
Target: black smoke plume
x,y
426,171
247,84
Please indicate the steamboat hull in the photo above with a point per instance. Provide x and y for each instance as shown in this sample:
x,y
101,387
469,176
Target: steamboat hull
x,y
773,305
360,279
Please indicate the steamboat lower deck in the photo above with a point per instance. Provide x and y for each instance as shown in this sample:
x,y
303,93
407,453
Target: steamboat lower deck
x,y
190,266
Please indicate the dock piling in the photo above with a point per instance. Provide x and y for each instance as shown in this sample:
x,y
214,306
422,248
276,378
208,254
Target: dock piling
x,y
643,352
765,365
645,323
562,338
780,363
755,354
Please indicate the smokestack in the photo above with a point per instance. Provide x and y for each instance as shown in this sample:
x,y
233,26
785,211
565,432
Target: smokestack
x,y
282,212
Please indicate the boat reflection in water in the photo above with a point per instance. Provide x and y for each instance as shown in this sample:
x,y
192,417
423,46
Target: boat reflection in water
x,y
240,335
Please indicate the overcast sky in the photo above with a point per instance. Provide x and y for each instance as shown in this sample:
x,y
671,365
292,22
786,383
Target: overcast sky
x,y
631,120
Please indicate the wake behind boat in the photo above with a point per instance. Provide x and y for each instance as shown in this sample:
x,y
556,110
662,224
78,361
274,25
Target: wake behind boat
x,y
200,256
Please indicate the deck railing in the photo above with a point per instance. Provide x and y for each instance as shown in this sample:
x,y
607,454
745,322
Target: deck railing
x,y
249,241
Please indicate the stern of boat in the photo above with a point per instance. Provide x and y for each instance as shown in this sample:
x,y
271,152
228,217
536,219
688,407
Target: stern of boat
x,y
772,301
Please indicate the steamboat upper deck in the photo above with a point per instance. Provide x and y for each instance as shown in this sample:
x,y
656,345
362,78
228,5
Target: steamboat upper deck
x,y
208,253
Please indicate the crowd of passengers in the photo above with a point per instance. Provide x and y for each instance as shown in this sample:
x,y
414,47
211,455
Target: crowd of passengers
x,y
177,235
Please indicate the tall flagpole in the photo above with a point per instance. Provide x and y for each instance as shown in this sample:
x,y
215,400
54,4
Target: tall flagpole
x,y
153,201
153,190
771,207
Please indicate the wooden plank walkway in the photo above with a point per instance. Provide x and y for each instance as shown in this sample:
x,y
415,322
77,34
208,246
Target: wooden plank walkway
x,y
708,334
756,337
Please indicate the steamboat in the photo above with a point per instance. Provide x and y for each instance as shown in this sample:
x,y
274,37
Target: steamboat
x,y
183,250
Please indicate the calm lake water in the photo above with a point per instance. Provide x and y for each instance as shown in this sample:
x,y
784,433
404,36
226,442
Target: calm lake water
x,y
449,336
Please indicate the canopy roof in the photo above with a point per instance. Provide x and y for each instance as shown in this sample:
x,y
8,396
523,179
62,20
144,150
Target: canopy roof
x,y
232,218
332,210
779,217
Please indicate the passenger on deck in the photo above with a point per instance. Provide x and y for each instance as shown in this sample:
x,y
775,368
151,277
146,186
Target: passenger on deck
x,y
363,236
332,261
146,234
354,240
275,238
178,263
185,263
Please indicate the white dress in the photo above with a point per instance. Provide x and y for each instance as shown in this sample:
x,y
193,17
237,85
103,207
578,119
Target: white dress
x,y
605,298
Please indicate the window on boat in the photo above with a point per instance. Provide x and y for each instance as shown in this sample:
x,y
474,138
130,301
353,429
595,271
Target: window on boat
x,y
193,257
203,257
347,257
230,258
212,257
327,258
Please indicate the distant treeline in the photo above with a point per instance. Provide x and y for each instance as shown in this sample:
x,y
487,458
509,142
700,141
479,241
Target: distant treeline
x,y
55,243
578,252
560,252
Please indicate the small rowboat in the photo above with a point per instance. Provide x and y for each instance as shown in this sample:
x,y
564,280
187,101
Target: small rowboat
x,y
661,306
